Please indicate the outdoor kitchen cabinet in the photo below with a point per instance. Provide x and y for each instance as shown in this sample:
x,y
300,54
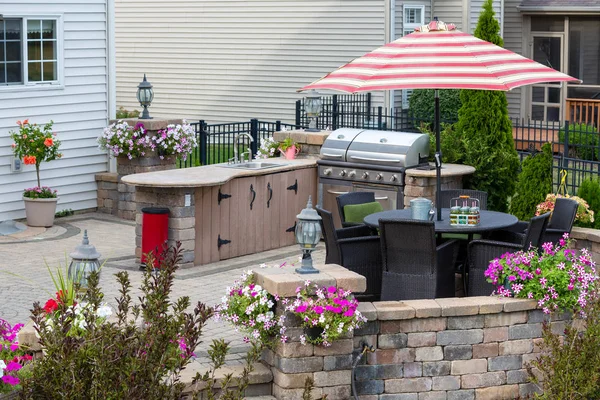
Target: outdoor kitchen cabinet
x,y
250,214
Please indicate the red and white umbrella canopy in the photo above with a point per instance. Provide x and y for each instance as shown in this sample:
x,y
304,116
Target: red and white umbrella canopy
x,y
437,56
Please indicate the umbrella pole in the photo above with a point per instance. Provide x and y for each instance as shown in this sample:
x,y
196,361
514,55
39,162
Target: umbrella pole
x,y
438,159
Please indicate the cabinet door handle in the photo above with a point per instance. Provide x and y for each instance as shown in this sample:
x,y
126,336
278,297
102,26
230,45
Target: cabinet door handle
x,y
270,189
253,196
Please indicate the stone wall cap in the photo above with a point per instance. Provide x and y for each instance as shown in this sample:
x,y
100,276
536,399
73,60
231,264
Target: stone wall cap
x,y
425,308
447,170
107,177
284,281
455,306
393,310
368,310
211,175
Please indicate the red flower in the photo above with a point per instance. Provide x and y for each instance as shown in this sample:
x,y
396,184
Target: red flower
x,y
29,160
48,142
61,296
50,306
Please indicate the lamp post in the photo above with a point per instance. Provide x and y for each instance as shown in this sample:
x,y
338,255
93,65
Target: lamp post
x,y
145,95
313,106
308,235
85,261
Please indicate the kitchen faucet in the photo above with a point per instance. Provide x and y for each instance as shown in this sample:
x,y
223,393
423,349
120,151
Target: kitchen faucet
x,y
236,138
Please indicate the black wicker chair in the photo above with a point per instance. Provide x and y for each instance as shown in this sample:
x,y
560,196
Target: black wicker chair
x,y
448,195
352,198
354,248
481,252
413,266
561,222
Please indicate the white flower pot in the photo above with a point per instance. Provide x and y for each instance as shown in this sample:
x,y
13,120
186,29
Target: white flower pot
x,y
40,212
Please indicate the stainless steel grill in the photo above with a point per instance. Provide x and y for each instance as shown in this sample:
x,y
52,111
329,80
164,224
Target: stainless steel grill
x,y
369,160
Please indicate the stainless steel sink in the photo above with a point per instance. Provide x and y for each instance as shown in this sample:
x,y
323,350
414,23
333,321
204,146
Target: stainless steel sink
x,y
252,165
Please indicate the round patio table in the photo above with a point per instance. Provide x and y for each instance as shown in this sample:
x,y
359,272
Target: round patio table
x,y
489,221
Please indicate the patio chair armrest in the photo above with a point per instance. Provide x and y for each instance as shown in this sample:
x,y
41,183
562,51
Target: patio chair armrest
x,y
354,231
481,252
359,240
503,236
351,224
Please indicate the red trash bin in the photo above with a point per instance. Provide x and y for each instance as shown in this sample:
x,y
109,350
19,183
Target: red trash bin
x,y
155,232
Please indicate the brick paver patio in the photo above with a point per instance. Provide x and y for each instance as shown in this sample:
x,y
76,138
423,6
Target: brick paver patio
x,y
24,277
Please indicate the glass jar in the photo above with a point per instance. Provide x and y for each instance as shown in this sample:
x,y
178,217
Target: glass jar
x,y
473,215
454,213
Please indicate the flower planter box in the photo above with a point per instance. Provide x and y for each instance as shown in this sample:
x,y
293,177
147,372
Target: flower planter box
x,y
149,163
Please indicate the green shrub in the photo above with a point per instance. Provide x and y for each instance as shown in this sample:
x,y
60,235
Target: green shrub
x,y
422,104
533,184
569,367
451,143
487,132
122,113
584,139
138,356
589,190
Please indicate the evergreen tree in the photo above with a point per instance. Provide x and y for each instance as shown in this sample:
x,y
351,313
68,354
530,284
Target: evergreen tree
x,y
534,183
487,131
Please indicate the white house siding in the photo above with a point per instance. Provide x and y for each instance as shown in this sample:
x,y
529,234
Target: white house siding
x,y
231,60
450,11
514,40
79,108
399,28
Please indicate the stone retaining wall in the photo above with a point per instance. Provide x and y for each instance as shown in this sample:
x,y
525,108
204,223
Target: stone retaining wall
x,y
474,348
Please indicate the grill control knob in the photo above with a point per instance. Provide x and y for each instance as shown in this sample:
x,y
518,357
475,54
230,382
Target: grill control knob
x,y
351,174
394,178
379,177
327,171
365,175
343,172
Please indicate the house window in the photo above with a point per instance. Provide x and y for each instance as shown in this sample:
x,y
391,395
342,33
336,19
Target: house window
x,y
414,17
28,51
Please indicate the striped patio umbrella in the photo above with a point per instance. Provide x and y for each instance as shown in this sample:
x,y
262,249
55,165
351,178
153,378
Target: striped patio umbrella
x,y
438,56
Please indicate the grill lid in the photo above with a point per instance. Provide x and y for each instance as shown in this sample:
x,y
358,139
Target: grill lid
x,y
398,149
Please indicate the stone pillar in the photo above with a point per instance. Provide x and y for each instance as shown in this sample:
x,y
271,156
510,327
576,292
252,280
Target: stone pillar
x,y
422,183
182,218
310,142
292,362
120,200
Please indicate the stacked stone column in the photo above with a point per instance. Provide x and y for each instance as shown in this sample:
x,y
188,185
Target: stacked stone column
x,y
118,198
293,362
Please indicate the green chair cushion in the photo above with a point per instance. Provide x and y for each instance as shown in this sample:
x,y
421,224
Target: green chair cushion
x,y
356,213
459,236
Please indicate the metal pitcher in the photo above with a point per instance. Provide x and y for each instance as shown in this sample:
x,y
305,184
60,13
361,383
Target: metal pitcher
x,y
422,209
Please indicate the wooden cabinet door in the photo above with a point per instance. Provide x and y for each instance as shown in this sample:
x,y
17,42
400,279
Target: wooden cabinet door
x,y
208,225
299,184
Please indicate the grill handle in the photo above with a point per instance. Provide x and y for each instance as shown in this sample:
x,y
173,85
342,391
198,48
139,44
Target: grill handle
x,y
332,155
382,198
394,161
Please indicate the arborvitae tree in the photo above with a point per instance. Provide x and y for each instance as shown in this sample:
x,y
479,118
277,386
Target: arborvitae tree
x,y
589,190
487,131
534,183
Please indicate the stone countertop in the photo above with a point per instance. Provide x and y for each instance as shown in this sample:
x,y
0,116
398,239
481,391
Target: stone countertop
x,y
212,175
447,170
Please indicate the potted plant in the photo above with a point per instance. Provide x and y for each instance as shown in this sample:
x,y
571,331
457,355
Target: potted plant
x,y
123,140
35,144
249,308
289,149
557,277
178,140
326,312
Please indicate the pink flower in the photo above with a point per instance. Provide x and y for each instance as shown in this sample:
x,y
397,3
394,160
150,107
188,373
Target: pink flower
x,y
13,366
331,289
11,380
318,310
349,313
538,271
301,308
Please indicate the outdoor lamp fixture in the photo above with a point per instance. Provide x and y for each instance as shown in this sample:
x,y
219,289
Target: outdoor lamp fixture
x,y
308,235
313,105
145,95
85,261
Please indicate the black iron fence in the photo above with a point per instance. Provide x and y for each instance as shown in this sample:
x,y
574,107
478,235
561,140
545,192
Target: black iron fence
x,y
216,141
356,111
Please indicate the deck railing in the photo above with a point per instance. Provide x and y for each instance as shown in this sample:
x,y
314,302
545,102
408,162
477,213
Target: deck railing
x,y
585,111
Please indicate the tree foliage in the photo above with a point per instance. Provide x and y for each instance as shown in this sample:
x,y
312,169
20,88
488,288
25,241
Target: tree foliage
x,y
534,183
422,104
487,131
589,190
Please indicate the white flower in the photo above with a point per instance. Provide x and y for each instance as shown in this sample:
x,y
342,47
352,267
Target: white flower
x,y
104,311
2,367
